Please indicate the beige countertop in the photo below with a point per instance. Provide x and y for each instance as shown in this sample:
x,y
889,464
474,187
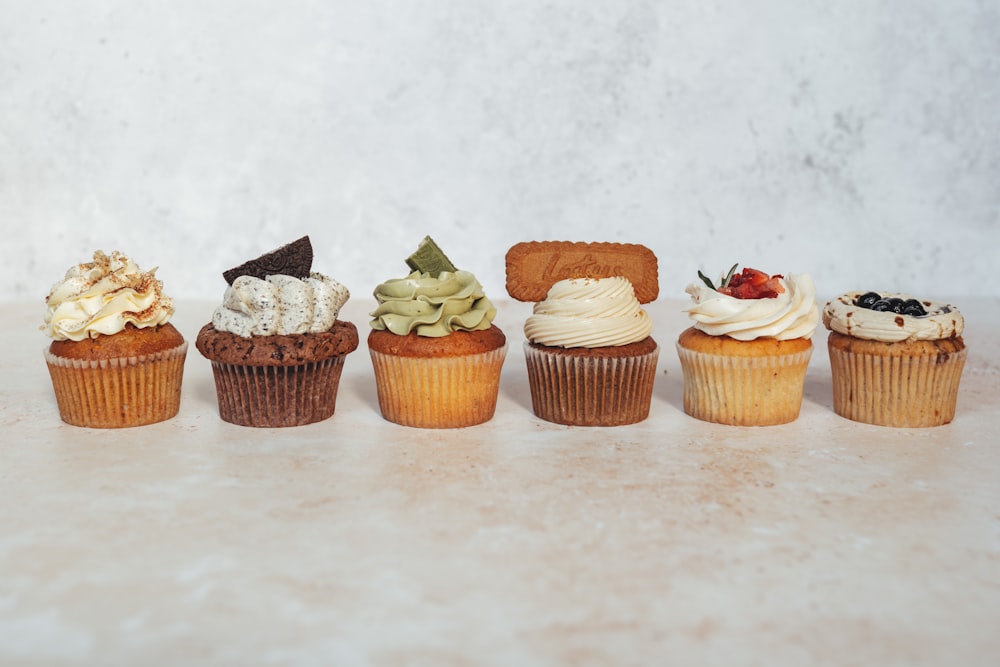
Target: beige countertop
x,y
355,541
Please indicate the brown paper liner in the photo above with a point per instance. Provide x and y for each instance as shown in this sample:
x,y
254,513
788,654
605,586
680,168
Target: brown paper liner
x,y
898,391
743,391
118,393
277,396
438,392
581,390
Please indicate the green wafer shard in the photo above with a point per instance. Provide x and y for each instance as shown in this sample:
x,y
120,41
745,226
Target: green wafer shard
x,y
429,258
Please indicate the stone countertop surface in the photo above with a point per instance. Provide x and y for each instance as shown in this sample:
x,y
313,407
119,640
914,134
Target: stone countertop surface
x,y
518,542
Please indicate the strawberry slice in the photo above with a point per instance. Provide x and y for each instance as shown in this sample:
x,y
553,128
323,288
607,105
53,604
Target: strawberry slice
x,y
753,284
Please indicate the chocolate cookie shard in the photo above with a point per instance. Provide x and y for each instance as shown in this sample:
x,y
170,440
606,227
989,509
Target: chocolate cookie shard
x,y
294,259
534,266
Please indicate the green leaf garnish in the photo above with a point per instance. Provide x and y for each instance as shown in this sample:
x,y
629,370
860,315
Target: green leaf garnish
x,y
725,280
729,276
705,279
429,258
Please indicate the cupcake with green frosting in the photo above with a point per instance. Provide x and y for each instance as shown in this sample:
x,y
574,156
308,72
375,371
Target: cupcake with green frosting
x,y
436,353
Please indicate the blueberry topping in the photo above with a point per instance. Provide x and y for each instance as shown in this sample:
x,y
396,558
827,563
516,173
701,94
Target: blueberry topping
x,y
882,306
867,299
874,301
914,308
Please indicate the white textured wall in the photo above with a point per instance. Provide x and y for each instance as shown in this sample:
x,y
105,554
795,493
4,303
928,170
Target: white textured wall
x,y
855,140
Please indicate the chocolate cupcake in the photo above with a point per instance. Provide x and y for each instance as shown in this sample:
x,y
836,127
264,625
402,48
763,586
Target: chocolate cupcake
x,y
276,346
589,351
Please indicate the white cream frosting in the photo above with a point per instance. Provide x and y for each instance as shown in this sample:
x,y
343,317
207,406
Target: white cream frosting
x,y
588,312
280,305
791,314
102,296
941,321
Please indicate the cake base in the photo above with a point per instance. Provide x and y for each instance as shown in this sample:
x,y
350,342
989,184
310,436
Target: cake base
x,y
277,381
910,384
118,392
742,383
609,386
277,396
442,392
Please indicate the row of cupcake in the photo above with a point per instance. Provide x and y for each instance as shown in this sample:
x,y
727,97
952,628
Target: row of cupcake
x,y
277,345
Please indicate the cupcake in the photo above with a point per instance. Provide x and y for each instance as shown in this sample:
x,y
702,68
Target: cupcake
x,y
896,360
115,360
591,359
436,353
744,360
276,346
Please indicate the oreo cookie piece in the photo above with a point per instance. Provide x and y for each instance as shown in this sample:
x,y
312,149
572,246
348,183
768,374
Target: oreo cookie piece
x,y
294,259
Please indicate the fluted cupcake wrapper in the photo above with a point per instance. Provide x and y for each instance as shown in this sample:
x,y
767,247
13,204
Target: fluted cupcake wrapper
x,y
743,391
438,392
277,396
899,391
582,390
120,392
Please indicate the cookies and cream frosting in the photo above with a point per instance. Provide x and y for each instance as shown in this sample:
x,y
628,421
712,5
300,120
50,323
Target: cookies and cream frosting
x,y
102,297
791,314
432,306
588,312
845,317
280,305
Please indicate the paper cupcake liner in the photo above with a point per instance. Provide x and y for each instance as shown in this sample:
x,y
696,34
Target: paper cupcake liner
x,y
277,396
438,392
582,390
743,391
121,392
904,392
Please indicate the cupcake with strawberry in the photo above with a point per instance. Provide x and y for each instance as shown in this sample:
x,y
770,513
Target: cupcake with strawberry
x,y
744,359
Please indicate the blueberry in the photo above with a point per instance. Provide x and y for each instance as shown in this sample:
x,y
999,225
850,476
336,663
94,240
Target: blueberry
x,y
914,308
896,304
882,305
867,299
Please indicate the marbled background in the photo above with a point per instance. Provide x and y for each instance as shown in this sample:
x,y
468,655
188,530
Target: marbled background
x,y
858,141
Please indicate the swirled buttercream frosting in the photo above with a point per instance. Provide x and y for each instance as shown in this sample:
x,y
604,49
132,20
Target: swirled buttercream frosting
x,y
793,313
588,312
280,305
844,316
102,297
432,306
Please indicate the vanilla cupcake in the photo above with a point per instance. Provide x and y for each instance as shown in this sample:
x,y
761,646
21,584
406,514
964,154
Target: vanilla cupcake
x,y
276,346
896,360
744,360
115,360
434,348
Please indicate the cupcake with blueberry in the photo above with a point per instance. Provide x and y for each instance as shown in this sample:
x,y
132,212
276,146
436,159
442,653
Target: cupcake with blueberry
x,y
115,359
896,360
276,344
434,348
744,359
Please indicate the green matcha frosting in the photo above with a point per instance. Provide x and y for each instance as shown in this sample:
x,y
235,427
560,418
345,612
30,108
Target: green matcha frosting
x,y
432,306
